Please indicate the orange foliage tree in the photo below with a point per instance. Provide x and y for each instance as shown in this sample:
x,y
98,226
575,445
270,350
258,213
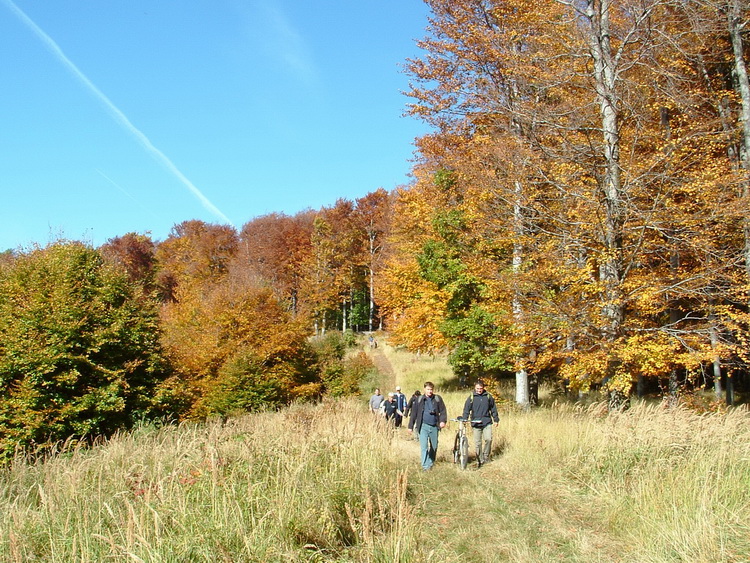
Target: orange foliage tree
x,y
598,185
232,343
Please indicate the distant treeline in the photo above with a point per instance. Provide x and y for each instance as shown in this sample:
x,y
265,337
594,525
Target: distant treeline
x,y
209,322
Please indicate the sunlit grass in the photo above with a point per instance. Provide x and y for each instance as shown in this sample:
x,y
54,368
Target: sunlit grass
x,y
266,487
415,369
330,482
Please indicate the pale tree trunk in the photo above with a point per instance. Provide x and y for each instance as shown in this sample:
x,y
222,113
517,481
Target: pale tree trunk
x,y
610,272
716,364
371,236
343,315
371,317
522,376
605,81
734,16
674,317
674,270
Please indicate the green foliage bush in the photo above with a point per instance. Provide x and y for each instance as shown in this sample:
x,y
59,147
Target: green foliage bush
x,y
244,385
472,329
341,374
79,347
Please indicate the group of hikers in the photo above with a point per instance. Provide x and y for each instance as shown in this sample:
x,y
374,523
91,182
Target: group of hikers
x,y
427,415
394,408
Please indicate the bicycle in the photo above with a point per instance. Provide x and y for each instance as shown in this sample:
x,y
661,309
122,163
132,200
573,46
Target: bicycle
x,y
461,443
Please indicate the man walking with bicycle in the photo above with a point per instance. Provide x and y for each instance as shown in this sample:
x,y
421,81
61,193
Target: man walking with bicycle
x,y
428,416
480,408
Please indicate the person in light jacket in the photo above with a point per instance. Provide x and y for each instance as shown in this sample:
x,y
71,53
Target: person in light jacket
x,y
375,401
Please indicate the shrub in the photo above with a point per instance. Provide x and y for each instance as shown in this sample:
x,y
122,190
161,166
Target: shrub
x,y
79,352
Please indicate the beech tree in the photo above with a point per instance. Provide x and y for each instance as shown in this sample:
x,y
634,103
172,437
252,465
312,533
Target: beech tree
x,y
79,348
577,132
372,219
135,254
274,248
234,347
194,253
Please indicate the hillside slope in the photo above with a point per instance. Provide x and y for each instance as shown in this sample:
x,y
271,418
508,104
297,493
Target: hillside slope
x,y
495,513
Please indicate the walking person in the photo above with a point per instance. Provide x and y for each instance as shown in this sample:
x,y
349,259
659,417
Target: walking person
x,y
390,409
400,407
375,401
412,400
410,406
480,407
428,417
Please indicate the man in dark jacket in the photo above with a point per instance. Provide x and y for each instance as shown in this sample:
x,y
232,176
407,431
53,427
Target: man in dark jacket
x,y
427,417
400,406
390,408
480,406
412,402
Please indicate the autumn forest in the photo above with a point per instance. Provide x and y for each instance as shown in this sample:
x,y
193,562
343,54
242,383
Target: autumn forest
x,y
578,215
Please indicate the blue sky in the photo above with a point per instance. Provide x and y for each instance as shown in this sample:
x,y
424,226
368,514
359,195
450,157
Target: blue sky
x,y
134,115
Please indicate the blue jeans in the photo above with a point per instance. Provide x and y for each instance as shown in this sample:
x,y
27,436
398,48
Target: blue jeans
x,y
428,443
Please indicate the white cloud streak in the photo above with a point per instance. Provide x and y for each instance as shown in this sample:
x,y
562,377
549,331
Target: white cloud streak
x,y
115,112
284,42
127,193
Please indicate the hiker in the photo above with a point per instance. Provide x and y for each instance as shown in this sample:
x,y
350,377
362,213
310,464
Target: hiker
x,y
375,401
400,407
428,417
480,407
390,408
410,403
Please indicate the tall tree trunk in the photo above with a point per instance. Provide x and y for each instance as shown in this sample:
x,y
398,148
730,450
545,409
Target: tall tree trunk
x,y
674,270
371,317
716,364
734,15
730,390
522,377
611,185
611,268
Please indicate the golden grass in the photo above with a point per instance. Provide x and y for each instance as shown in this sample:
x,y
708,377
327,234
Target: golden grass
x,y
572,482
267,487
331,483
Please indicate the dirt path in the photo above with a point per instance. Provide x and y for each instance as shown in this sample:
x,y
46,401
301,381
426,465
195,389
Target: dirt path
x,y
518,517
384,367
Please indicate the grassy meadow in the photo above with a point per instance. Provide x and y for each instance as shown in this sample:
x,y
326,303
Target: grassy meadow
x,y
329,482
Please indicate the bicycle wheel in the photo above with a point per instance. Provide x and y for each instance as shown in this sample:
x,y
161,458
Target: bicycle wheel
x,y
457,448
464,453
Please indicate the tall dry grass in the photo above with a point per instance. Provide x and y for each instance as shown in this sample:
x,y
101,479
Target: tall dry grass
x,y
308,483
331,483
649,484
669,484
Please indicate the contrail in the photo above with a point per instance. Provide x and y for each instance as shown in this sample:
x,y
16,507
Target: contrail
x,y
127,193
115,112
